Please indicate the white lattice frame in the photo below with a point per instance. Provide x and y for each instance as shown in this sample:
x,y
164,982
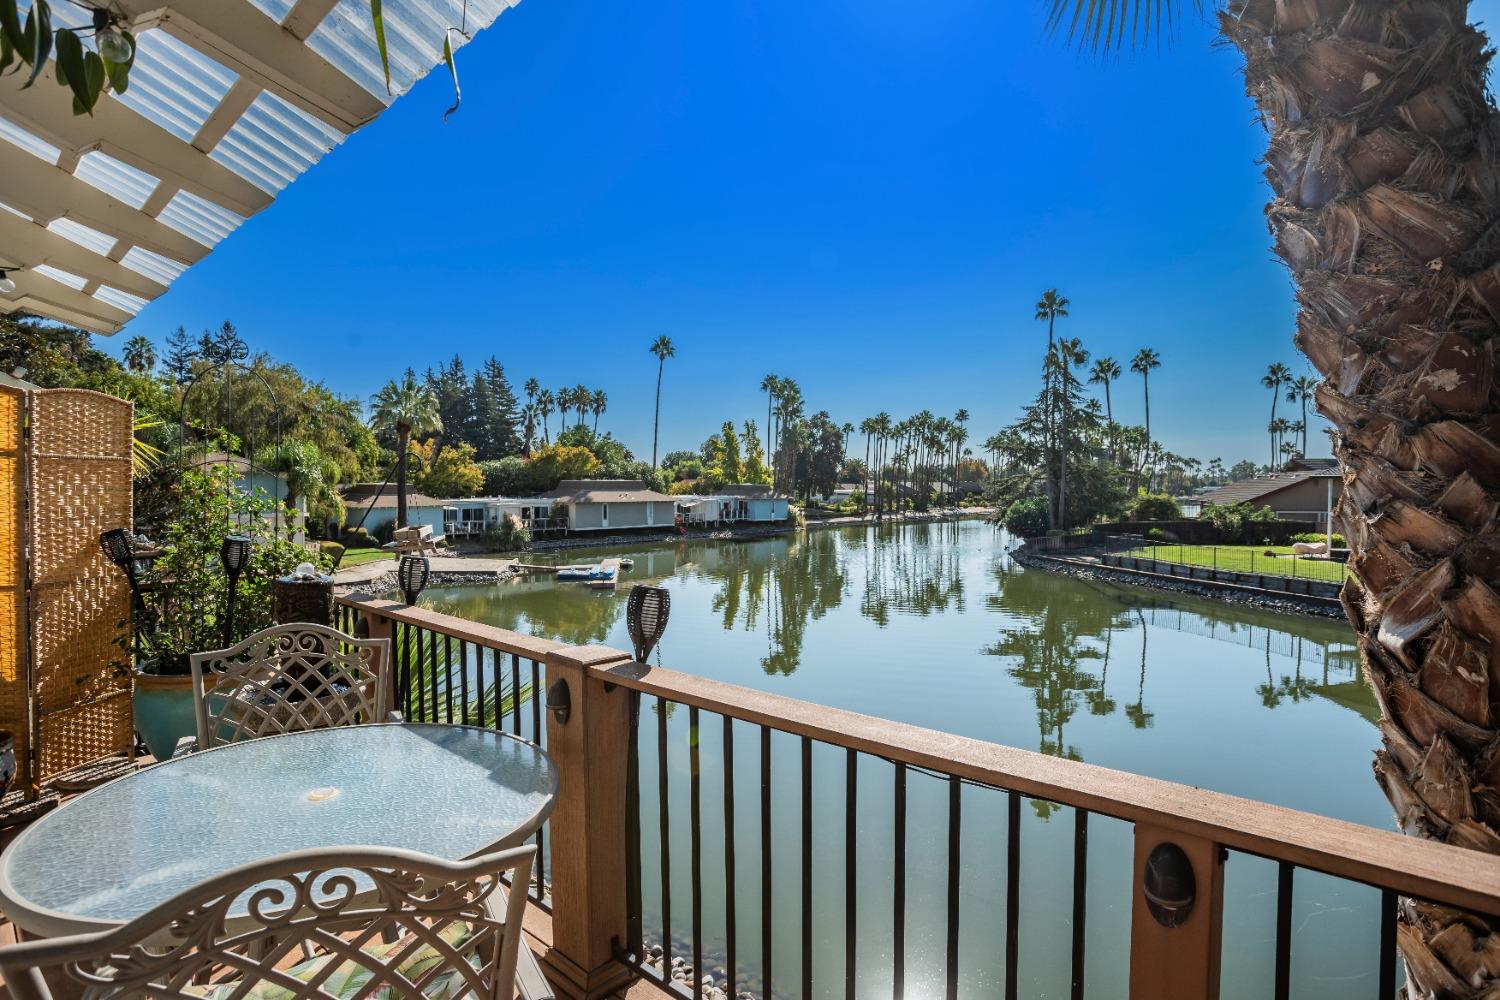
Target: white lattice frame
x,y
240,926
234,699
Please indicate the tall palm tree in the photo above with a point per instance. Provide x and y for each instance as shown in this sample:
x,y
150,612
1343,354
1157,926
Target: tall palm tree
x,y
1276,376
771,386
961,419
598,403
1145,361
583,398
406,407
532,388
1300,390
1105,371
662,348
546,402
529,415
1068,352
139,355
867,428
1050,307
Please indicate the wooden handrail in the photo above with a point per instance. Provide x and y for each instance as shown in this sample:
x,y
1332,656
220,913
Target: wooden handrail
x,y
1437,872
459,628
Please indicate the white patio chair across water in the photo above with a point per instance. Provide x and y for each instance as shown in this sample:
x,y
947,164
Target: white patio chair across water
x,y
289,678
328,924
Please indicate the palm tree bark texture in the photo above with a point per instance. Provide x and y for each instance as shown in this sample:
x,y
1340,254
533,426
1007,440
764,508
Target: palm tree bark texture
x,y
1382,161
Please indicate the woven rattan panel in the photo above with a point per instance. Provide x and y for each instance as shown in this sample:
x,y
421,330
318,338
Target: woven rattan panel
x,y
79,450
13,682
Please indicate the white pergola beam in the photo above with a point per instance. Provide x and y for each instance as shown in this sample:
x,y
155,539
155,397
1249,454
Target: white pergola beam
x,y
46,110
27,243
38,288
45,193
240,37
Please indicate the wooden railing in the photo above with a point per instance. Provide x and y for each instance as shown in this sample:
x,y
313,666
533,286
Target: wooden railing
x,y
598,833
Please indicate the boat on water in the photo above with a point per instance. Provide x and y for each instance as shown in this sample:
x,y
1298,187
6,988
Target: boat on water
x,y
601,576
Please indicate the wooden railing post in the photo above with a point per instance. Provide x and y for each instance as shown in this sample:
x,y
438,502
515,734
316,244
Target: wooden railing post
x,y
377,626
588,838
1177,962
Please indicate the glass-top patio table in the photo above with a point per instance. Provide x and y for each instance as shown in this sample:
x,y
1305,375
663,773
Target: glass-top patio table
x,y
116,851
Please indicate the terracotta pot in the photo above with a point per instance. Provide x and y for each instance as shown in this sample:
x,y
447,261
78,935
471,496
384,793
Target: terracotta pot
x,y
163,711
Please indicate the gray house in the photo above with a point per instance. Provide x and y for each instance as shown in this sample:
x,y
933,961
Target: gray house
x,y
613,504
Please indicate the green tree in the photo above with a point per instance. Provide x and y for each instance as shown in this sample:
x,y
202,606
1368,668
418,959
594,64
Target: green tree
x,y
662,349
1050,308
598,403
1104,372
1143,364
447,471
1276,376
546,402
405,408
1300,390
180,356
139,355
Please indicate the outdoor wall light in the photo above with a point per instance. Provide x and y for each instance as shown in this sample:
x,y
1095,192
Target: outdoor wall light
x,y
235,555
646,618
560,701
6,285
412,576
1169,885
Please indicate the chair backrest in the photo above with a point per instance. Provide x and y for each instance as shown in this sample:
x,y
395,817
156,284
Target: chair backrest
x,y
329,923
289,678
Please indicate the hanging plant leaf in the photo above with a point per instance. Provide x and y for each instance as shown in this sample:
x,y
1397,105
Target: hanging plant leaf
x,y
10,25
70,71
38,34
93,68
7,48
378,19
458,94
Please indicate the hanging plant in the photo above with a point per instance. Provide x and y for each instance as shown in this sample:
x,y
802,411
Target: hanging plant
x,y
377,20
87,72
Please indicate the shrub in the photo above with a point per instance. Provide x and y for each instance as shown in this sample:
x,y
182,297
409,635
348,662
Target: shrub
x,y
504,477
1157,535
1318,536
1027,518
1234,521
358,538
386,533
1152,507
333,551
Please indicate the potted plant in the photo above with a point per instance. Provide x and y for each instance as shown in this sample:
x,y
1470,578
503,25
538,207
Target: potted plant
x,y
187,600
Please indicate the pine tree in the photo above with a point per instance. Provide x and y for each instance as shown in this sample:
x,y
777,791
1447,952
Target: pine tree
x,y
503,434
180,356
450,384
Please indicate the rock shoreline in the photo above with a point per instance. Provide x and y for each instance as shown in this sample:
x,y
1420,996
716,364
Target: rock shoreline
x,y
1288,603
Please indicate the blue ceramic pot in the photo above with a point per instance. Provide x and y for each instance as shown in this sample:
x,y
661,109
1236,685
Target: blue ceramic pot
x,y
163,711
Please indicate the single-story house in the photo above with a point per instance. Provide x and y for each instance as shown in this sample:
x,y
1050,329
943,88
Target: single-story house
x,y
754,501
613,504
1306,489
372,506
249,477
473,516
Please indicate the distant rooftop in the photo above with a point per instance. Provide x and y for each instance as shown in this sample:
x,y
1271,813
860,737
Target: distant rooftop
x,y
360,495
1251,490
606,491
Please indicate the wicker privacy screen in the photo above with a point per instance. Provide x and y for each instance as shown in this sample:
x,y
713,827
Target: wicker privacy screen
x,y
14,686
78,454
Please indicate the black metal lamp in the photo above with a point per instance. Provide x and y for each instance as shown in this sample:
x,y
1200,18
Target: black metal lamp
x,y
412,576
1169,885
234,554
134,557
646,617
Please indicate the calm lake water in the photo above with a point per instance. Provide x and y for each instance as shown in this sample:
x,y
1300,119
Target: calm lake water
x,y
934,625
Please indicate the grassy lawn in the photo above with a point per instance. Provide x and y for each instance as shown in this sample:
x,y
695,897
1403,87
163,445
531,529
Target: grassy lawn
x,y
1244,559
358,557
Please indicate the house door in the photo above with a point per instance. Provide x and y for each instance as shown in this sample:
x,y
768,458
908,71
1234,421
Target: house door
x,y
650,514
604,515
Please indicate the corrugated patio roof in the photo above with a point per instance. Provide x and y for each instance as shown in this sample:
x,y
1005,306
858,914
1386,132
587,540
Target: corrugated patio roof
x,y
229,102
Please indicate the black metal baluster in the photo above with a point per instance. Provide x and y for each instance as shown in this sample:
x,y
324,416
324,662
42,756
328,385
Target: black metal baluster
x,y
1012,894
807,948
536,702
1080,894
851,886
695,830
955,803
515,693
729,901
414,672
448,671
633,919
765,862
898,890
666,838
463,678
1284,872
403,652
1387,986
433,671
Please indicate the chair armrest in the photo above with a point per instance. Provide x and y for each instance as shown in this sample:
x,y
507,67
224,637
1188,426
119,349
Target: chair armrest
x,y
185,746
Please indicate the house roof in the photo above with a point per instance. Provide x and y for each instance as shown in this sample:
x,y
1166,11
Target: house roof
x,y
360,495
228,103
1261,487
606,491
748,491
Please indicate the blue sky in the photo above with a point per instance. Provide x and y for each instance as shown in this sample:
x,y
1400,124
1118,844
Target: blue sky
x,y
864,195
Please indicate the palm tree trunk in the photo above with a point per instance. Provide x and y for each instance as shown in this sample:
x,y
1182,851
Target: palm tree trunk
x,y
1382,164
661,366
1109,415
1275,395
1304,425
403,439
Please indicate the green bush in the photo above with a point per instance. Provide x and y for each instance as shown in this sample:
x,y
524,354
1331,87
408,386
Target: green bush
x,y
1027,518
509,535
1158,535
358,538
1318,536
385,534
1152,507
333,551
1235,522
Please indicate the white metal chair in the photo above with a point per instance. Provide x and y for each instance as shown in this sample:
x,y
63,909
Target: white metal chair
x,y
289,678
331,924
